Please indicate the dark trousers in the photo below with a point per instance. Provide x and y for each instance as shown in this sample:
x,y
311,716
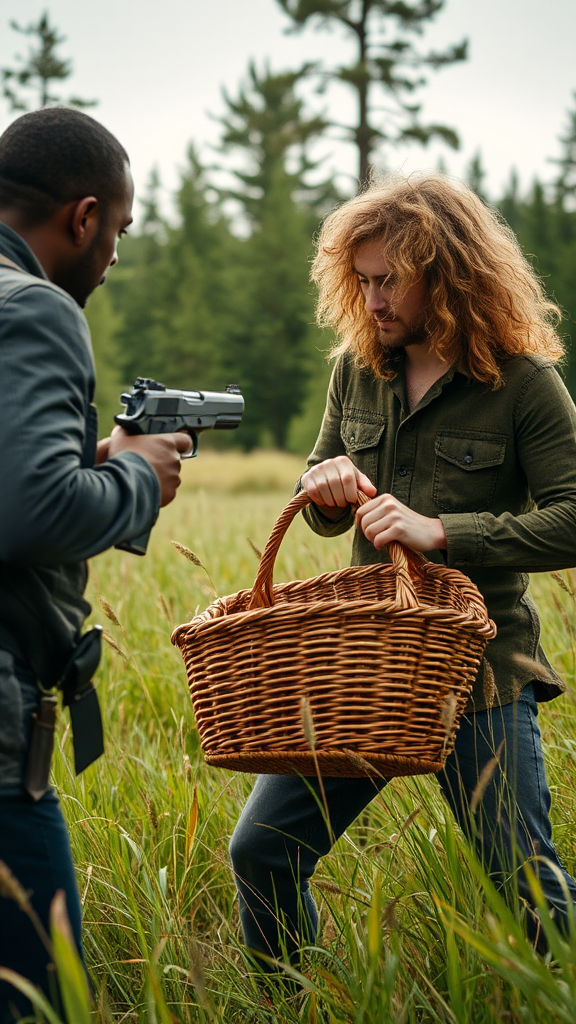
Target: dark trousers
x,y
34,844
282,833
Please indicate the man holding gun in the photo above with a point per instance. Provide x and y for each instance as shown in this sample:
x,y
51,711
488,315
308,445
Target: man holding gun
x,y
65,198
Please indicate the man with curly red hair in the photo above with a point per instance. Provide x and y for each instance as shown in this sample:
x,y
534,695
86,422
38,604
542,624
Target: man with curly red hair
x,y
446,409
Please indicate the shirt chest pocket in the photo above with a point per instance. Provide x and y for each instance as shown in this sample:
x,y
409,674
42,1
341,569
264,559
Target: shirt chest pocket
x,y
361,438
466,469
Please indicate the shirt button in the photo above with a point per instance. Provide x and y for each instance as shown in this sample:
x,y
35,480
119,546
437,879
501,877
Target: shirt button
x,y
467,459
409,426
402,471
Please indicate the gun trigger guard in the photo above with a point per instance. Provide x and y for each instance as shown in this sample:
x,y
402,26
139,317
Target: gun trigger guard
x,y
194,450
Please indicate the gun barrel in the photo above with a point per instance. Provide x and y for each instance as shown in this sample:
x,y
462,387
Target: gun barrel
x,y
155,409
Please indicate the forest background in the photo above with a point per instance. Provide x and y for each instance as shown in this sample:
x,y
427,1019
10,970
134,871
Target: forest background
x,y
215,289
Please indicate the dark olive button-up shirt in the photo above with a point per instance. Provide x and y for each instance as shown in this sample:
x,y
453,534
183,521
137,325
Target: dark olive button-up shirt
x,y
497,467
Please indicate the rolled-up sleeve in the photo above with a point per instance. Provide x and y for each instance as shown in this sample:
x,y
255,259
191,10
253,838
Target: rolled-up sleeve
x,y
52,508
543,538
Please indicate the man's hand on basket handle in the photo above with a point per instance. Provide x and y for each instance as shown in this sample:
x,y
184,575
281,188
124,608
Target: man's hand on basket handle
x,y
385,518
333,485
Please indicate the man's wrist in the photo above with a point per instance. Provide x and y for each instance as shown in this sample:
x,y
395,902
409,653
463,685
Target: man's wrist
x,y
440,539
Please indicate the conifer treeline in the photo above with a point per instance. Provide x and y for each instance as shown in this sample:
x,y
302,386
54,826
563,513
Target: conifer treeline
x,y
196,303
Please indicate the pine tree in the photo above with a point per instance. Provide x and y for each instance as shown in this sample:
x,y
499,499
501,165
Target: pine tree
x,y
277,348
510,204
39,70
268,125
566,180
391,65
475,176
175,287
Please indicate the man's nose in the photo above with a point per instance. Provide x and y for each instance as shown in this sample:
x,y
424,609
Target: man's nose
x,y
114,258
376,299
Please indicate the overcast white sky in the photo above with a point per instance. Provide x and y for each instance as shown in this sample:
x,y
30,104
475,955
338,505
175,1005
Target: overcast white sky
x,y
158,68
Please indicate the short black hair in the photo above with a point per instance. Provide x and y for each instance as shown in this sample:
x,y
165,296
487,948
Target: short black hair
x,y
54,155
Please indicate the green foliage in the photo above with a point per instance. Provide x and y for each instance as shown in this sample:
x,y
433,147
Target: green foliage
x,y
385,62
546,229
42,67
105,325
566,181
275,349
197,306
69,967
178,291
476,175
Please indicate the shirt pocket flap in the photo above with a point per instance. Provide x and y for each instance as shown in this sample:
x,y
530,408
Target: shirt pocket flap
x,y
358,434
469,452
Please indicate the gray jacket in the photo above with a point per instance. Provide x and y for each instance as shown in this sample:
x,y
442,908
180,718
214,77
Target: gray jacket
x,y
56,508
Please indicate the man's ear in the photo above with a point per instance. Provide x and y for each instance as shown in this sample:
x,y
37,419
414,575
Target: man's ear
x,y
84,216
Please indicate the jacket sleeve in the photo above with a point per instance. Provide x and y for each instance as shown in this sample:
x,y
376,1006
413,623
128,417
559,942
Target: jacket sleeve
x,y
328,445
543,538
54,509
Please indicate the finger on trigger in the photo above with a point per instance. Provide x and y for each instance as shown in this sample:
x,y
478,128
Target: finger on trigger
x,y
183,442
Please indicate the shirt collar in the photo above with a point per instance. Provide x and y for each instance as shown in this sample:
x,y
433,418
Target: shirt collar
x,y
13,246
397,363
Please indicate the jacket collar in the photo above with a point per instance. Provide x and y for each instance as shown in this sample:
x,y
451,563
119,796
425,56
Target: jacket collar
x,y
13,246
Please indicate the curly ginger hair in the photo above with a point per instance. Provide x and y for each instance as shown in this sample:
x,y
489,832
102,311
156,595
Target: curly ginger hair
x,y
485,302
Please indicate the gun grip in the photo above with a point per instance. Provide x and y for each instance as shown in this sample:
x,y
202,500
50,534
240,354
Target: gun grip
x,y
136,546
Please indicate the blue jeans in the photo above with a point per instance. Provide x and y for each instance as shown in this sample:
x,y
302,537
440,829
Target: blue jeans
x,y
34,844
281,833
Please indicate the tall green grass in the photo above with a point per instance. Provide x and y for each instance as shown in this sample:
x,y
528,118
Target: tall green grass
x,y
410,931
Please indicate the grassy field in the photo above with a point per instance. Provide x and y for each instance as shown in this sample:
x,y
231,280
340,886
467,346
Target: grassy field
x,y
410,931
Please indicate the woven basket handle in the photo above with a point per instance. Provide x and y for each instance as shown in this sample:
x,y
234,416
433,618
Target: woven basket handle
x,y
402,559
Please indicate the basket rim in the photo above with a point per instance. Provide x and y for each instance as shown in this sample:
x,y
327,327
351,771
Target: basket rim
x,y
300,609
373,761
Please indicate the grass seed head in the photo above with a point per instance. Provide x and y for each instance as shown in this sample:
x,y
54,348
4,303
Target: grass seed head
x,y
254,547
165,608
448,712
112,643
562,583
308,722
187,553
109,612
488,683
484,779
359,762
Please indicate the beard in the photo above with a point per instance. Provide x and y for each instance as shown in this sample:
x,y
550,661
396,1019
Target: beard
x,y
84,275
414,334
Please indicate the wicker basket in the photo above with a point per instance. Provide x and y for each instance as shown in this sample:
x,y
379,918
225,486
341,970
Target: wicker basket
x,y
364,671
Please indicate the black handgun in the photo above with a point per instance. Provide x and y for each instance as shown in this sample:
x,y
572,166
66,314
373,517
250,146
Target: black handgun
x,y
152,408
